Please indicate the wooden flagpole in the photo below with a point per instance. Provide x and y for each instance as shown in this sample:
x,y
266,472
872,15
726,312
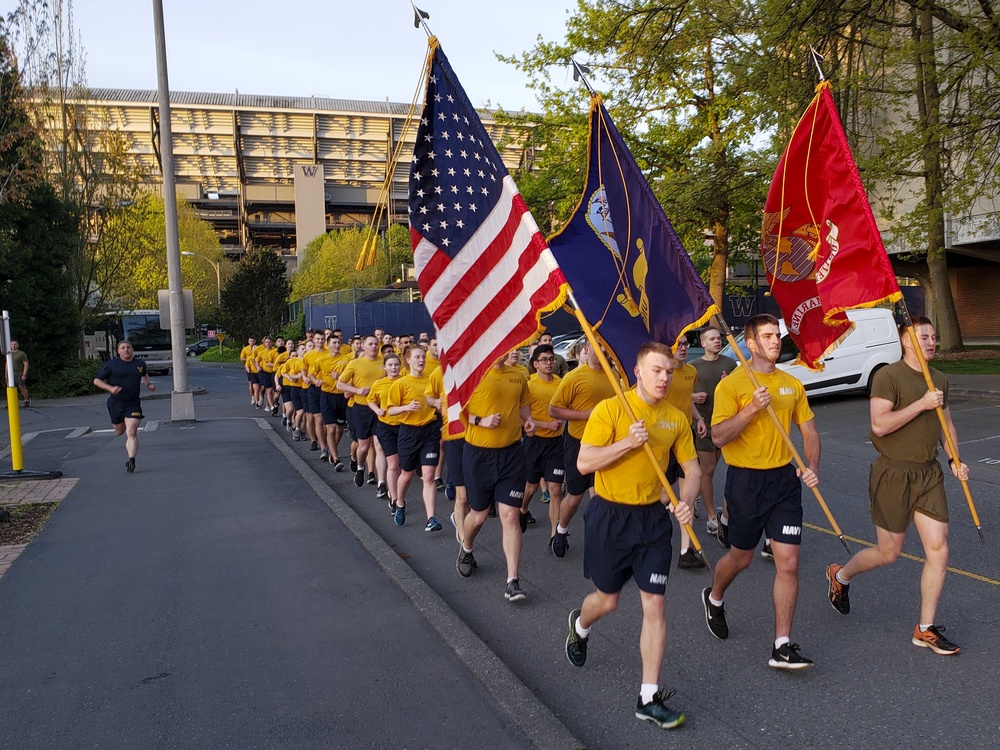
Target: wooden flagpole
x,y
781,430
952,447
595,345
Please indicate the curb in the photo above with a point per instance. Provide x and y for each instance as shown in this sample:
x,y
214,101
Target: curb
x,y
520,705
974,393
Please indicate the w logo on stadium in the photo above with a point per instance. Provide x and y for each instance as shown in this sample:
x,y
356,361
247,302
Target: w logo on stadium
x,y
309,170
742,306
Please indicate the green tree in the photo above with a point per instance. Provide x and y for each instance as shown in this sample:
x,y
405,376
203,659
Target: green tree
x,y
675,78
331,261
144,263
37,235
255,299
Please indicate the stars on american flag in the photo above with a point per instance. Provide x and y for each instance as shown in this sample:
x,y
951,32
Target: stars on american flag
x,y
467,173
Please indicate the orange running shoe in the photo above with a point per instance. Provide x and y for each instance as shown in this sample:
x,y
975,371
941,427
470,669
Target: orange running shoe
x,y
933,639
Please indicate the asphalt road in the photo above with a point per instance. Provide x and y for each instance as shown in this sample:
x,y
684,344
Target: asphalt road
x,y
870,686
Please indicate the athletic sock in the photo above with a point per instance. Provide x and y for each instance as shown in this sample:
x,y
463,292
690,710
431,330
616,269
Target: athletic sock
x,y
684,550
560,529
841,581
580,630
724,520
714,602
779,642
647,691
466,550
925,628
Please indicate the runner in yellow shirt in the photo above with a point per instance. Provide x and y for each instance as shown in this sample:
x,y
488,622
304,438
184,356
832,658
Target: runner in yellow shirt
x,y
627,523
578,393
762,485
680,394
266,360
327,370
419,436
357,379
253,384
543,451
494,467
453,448
386,433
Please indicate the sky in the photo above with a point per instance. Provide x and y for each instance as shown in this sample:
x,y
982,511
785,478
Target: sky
x,y
344,49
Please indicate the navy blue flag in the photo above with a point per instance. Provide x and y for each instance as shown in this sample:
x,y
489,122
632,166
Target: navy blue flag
x,y
630,274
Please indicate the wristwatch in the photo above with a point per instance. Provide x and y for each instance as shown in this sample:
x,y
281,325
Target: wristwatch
x,y
477,420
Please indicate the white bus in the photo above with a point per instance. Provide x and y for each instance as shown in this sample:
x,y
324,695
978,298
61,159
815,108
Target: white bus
x,y
142,328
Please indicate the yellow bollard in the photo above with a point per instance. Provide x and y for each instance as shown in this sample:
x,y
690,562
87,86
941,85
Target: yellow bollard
x,y
14,417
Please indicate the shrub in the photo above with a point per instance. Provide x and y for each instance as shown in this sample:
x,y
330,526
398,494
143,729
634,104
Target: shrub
x,y
296,329
75,379
228,354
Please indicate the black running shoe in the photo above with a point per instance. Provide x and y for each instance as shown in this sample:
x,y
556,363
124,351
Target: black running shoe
x,y
382,492
354,466
531,518
275,411
766,552
839,592
359,477
658,712
715,617
338,465
439,484
689,560
522,520
314,446
466,563
559,544
130,465
493,510
788,657
576,644
723,533
933,638
371,477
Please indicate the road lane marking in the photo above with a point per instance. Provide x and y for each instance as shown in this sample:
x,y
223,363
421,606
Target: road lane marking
x,y
908,556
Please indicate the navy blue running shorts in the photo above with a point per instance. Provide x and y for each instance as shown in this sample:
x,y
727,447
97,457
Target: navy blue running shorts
x,y
119,411
312,399
494,474
333,407
627,541
576,483
544,457
419,446
266,379
361,420
763,500
296,395
254,377
454,460
388,437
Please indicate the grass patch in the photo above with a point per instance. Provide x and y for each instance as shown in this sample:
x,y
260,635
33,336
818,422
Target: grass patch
x,y
228,354
25,521
990,366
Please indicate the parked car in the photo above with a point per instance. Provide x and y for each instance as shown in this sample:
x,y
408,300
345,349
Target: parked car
x,y
200,347
873,344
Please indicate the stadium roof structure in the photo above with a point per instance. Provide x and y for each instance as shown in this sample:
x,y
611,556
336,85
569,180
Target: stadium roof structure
x,y
234,154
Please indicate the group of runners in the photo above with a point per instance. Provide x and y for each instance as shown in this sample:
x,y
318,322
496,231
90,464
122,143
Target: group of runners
x,y
540,427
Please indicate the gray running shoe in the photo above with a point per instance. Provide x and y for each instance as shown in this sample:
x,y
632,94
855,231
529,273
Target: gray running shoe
x,y
466,563
514,592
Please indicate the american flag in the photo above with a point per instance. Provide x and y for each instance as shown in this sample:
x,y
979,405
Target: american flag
x,y
484,269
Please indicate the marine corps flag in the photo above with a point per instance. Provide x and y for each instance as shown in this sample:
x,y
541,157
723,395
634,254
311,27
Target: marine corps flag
x,y
821,248
627,268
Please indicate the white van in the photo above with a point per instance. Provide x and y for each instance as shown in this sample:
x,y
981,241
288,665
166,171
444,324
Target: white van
x,y
873,344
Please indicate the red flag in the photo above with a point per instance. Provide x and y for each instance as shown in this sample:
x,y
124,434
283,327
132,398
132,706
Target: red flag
x,y
821,248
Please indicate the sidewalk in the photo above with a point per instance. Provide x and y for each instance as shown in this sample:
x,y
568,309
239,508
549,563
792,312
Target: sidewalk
x,y
213,600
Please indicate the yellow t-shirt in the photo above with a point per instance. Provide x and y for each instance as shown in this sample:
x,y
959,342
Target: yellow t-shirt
x,y
309,366
361,373
254,358
327,368
581,390
759,445
245,354
267,358
281,357
631,479
292,367
541,397
681,387
432,365
405,391
435,389
502,390
379,395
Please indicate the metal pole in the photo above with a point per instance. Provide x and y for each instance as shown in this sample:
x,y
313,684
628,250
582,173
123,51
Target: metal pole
x,y
182,401
13,413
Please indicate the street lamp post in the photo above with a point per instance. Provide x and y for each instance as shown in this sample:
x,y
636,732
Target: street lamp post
x,y
218,274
